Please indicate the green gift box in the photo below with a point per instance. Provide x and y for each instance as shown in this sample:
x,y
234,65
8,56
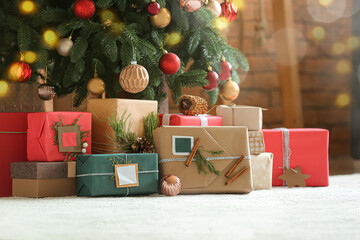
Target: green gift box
x,y
96,174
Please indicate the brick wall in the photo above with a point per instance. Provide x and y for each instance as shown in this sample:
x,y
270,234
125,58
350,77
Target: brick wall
x,y
319,80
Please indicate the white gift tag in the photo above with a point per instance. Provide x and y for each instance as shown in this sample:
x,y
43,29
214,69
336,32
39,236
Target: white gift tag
x,y
126,175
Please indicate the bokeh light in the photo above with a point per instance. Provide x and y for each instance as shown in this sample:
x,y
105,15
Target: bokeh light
x,y
240,4
30,57
107,14
326,11
343,67
50,38
343,100
338,48
4,88
173,39
27,7
352,43
221,23
318,33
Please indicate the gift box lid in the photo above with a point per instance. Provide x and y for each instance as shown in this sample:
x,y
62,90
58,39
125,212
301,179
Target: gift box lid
x,y
43,170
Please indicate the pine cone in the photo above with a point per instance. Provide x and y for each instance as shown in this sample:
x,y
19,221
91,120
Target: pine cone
x,y
143,145
192,105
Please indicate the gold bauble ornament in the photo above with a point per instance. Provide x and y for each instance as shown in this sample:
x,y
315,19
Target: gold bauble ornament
x,y
162,19
64,47
229,91
134,78
96,86
214,7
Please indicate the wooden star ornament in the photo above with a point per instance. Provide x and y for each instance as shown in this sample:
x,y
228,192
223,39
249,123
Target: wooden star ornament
x,y
294,177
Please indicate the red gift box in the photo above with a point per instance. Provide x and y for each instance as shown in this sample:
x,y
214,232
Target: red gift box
x,y
184,120
13,128
40,139
306,147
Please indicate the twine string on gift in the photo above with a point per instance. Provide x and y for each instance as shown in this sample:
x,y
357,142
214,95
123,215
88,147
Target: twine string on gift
x,y
286,151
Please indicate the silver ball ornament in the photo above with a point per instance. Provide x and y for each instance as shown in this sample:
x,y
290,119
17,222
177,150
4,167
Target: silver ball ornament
x,y
64,47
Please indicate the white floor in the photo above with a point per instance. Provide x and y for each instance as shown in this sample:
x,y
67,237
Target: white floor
x,y
300,213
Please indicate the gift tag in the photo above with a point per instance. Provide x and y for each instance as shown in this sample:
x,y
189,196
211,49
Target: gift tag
x,y
294,177
69,139
126,175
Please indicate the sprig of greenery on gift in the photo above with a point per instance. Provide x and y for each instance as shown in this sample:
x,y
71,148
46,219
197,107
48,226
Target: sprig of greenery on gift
x,y
60,123
126,141
203,163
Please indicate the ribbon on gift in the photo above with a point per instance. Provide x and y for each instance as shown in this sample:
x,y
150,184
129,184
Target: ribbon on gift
x,y
5,132
208,159
203,119
286,151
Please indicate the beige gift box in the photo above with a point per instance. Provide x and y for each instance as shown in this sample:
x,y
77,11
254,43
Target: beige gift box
x,y
250,117
231,141
102,109
256,142
261,167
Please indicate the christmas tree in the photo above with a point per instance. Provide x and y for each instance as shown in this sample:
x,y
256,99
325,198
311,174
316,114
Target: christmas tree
x,y
75,39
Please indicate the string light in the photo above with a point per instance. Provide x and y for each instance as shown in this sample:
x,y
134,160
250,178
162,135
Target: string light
x,y
352,43
173,39
240,4
27,7
343,100
107,14
50,38
343,67
318,33
4,88
338,48
221,23
325,2
30,57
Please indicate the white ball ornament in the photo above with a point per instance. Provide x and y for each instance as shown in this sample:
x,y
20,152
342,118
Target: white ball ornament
x,y
83,150
64,47
85,144
215,7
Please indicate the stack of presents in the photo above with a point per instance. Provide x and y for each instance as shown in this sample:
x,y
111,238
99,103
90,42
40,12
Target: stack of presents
x,y
114,149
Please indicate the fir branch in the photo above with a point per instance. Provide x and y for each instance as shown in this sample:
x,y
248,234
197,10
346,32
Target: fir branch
x,y
215,152
78,50
202,164
151,122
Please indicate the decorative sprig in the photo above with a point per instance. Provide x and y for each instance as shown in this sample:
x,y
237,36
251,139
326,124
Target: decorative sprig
x,y
204,164
151,122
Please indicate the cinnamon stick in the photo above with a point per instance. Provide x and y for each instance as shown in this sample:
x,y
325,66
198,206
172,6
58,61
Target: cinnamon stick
x,y
232,169
241,172
192,153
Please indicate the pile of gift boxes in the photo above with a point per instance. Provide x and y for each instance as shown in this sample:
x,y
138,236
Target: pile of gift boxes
x,y
53,154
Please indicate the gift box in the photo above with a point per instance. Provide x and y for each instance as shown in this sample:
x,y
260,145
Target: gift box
x,y
13,128
306,148
117,174
262,167
250,117
71,128
184,120
103,109
43,179
221,151
256,142
66,103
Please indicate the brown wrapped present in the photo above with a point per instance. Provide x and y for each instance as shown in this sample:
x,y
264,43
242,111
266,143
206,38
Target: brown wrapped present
x,y
256,142
102,109
250,117
43,170
261,167
222,152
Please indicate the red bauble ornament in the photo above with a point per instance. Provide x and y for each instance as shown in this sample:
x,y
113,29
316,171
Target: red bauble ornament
x,y
84,9
153,8
226,70
228,10
20,72
213,80
169,63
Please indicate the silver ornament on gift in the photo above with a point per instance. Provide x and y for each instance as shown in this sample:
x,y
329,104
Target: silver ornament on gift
x,y
170,185
214,6
46,92
64,46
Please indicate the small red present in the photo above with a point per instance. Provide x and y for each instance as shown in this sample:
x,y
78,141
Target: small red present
x,y
184,120
13,128
306,147
58,136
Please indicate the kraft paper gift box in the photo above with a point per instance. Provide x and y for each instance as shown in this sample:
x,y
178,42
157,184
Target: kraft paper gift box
x,y
256,142
307,148
102,109
40,138
262,167
43,179
250,117
173,144
116,174
183,120
13,128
